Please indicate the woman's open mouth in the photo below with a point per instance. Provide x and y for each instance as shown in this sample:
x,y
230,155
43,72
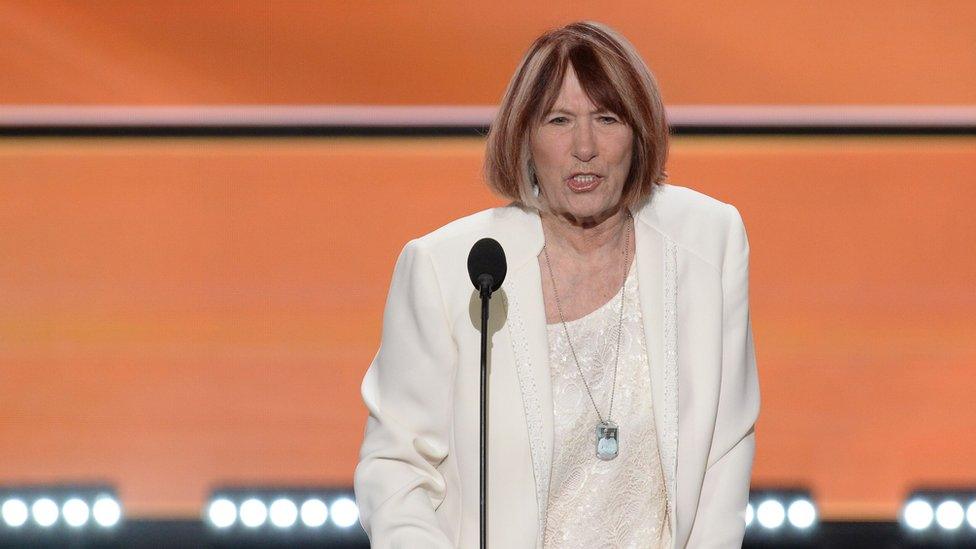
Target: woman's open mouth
x,y
582,183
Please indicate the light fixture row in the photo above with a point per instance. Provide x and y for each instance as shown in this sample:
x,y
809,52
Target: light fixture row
x,y
282,512
46,512
772,513
928,513
940,511
43,511
785,511
305,511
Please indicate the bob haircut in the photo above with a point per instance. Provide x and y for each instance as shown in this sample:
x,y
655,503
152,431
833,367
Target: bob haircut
x,y
614,78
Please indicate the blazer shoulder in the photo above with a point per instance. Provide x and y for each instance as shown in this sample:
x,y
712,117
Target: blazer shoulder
x,y
448,246
446,249
467,225
695,221
461,232
516,228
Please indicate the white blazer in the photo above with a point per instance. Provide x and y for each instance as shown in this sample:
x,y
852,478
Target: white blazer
x,y
417,481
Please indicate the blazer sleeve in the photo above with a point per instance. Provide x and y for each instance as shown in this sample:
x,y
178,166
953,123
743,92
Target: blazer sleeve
x,y
720,521
407,391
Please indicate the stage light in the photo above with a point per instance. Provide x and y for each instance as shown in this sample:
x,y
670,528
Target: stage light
x,y
949,514
59,515
75,512
770,514
106,511
222,513
283,513
938,516
314,513
801,513
45,512
781,517
918,514
270,515
253,513
344,512
15,512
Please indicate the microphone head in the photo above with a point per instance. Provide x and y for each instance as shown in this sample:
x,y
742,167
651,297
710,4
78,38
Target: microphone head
x,y
487,258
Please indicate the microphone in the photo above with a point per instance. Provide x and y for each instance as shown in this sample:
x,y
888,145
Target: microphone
x,y
487,266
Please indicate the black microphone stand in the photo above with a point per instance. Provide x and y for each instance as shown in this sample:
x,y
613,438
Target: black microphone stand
x,y
485,282
486,268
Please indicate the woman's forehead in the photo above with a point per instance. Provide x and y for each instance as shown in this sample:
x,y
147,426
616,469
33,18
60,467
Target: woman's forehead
x,y
576,104
573,97
571,94
582,109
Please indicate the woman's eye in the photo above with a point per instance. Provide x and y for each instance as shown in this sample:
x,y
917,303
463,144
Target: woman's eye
x,y
608,119
558,120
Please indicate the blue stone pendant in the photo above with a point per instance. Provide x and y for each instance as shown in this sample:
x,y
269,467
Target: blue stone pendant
x,y
606,440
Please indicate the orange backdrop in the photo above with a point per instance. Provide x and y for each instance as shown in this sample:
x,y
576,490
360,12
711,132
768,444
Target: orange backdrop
x,y
175,313
887,52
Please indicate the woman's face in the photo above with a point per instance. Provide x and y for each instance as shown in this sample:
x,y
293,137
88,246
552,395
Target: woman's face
x,y
581,156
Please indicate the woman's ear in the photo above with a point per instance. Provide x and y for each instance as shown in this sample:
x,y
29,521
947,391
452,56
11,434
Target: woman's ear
x,y
535,180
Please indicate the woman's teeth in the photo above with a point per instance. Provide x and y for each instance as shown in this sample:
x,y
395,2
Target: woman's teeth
x,y
584,178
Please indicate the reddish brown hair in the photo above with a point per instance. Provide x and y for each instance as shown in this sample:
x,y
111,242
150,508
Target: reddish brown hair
x,y
613,76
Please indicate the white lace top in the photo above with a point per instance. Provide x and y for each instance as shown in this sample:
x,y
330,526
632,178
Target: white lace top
x,y
621,503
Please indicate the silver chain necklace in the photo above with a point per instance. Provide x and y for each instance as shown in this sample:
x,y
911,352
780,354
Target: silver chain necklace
x,y
607,432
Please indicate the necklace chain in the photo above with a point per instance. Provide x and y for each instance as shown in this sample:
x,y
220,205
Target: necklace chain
x,y
562,319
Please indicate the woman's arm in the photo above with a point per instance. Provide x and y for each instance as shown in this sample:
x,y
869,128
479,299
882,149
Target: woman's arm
x,y
720,521
407,391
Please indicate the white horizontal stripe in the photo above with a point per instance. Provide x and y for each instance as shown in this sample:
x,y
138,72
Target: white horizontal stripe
x,y
822,115
466,116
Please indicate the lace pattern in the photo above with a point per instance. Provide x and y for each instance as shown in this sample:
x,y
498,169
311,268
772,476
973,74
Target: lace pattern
x,y
669,446
621,503
533,409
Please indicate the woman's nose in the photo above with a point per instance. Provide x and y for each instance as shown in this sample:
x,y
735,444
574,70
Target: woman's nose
x,y
584,142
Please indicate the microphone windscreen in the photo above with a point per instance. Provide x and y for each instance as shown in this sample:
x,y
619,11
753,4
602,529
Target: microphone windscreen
x,y
487,257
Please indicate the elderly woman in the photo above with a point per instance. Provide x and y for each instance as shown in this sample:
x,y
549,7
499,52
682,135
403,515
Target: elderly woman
x,y
623,387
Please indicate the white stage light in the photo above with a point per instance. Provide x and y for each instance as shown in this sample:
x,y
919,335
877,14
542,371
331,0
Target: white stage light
x,y
283,513
314,513
253,513
293,515
971,514
222,513
106,511
918,514
802,513
45,512
750,514
14,512
75,512
770,514
344,512
949,514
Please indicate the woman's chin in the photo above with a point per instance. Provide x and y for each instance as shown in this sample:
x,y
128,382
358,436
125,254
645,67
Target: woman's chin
x,y
588,208
589,213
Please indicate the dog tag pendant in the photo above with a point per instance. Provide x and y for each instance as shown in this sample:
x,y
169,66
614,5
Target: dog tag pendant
x,y
606,440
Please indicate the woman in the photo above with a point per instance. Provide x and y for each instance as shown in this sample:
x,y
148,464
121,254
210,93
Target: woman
x,y
623,388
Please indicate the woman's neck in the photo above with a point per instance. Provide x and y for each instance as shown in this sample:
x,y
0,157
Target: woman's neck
x,y
585,240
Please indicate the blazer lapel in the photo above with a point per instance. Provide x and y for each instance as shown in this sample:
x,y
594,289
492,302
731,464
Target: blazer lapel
x,y
657,280
527,324
522,240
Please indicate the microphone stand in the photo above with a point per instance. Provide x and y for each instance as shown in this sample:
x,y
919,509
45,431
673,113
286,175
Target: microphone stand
x,y
485,282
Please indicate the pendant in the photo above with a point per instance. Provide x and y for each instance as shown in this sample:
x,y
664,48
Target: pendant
x,y
606,440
